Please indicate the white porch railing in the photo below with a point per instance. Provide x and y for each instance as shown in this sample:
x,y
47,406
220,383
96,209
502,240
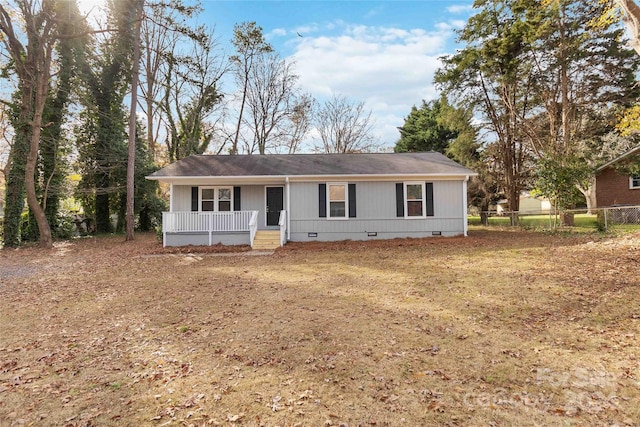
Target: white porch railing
x,y
209,222
253,227
283,227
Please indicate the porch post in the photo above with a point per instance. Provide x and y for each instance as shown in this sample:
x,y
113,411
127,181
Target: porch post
x,y
171,197
288,208
464,205
210,227
164,230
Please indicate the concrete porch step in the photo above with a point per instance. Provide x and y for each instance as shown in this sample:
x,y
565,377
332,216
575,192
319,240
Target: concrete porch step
x,y
266,240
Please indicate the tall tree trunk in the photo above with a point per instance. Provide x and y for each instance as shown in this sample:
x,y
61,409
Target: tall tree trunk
x,y
484,211
589,194
150,133
32,65
41,85
131,158
234,147
564,86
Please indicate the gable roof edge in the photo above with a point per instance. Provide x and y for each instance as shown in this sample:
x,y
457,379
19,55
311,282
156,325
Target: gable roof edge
x,y
623,156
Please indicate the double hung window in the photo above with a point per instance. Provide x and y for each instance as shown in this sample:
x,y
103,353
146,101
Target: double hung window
x,y
415,199
216,199
337,200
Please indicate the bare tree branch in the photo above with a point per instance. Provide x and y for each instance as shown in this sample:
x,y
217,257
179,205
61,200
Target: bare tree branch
x,y
345,127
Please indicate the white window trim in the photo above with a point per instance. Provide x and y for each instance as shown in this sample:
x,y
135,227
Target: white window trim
x,y
346,201
215,198
424,200
631,186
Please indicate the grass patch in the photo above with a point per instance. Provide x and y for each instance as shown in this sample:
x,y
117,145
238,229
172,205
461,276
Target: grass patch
x,y
582,223
502,328
537,221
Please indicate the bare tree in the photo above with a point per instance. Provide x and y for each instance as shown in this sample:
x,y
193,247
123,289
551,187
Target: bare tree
x,y
131,151
156,39
191,96
163,29
299,122
270,100
344,126
250,45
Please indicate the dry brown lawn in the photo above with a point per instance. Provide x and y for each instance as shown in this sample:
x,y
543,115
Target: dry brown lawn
x,y
500,328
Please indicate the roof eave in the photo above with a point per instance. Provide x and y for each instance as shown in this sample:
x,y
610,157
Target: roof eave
x,y
629,153
336,177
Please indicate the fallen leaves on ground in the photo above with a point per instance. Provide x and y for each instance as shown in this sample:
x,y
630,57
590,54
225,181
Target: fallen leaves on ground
x,y
500,328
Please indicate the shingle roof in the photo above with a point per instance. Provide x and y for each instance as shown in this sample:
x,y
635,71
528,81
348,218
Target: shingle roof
x,y
623,156
313,165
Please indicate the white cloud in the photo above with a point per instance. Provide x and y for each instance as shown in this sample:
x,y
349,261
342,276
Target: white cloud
x,y
460,8
391,69
277,32
306,29
455,24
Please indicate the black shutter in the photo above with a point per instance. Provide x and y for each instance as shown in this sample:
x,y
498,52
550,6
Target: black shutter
x,y
322,200
236,199
429,191
400,199
352,200
194,199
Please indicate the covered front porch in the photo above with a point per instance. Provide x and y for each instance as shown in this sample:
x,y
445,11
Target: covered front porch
x,y
239,211
228,228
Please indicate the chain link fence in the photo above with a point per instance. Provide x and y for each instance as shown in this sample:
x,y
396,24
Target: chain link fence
x,y
602,219
625,216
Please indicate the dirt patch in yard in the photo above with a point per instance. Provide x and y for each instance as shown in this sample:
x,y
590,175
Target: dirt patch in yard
x,y
500,328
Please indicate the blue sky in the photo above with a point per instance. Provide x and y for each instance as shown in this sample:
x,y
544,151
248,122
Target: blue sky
x,y
382,53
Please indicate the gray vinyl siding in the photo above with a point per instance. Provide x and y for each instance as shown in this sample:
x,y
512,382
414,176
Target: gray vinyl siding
x,y
202,239
376,213
447,199
375,209
252,197
181,198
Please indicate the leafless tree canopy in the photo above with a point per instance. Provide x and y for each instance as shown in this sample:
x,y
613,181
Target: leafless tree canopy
x,y
300,120
344,126
251,47
191,103
276,114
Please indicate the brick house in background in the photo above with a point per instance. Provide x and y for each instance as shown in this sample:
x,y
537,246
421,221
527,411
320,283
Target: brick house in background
x,y
615,188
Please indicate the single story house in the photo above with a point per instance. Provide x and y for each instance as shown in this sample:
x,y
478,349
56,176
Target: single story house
x,y
615,187
243,199
528,205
